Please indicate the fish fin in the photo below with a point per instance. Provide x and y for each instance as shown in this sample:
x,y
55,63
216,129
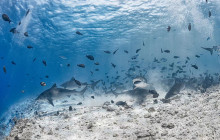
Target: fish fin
x,y
54,85
211,51
50,100
83,91
94,84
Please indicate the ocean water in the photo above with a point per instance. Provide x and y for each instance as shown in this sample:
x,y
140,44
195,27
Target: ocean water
x,y
106,25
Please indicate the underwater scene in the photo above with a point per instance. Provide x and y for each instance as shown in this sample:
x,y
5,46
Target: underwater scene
x,y
109,69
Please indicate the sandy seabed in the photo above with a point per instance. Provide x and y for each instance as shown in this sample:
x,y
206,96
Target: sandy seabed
x,y
191,115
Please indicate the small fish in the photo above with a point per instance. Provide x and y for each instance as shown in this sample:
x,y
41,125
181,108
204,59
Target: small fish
x,y
125,51
42,83
34,59
13,62
176,57
77,82
143,43
134,57
46,76
108,52
4,69
77,32
81,65
208,38
26,34
194,66
91,72
161,50
113,65
208,49
189,27
90,57
68,65
29,47
63,57
115,51
96,63
19,23
210,14
92,97
14,31
138,50
187,58
168,28
167,51
27,12
6,18
44,62
80,103
197,56
171,65
96,69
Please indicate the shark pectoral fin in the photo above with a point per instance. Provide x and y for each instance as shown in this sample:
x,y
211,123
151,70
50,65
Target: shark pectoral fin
x,y
50,100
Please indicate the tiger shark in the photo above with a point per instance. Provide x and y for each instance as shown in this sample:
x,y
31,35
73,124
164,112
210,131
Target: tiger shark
x,y
57,93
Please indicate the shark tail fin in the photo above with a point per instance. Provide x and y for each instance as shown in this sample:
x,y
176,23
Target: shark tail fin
x,y
211,51
94,84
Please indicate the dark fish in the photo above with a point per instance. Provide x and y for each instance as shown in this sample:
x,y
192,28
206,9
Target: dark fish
x,y
121,103
70,108
138,50
197,56
208,38
96,69
167,51
91,72
19,23
210,14
161,50
209,49
112,101
96,63
134,57
143,43
108,52
115,51
168,28
77,82
90,57
113,65
68,65
194,66
44,62
92,97
6,18
77,32
125,51
176,57
26,34
171,65
206,1
34,59
81,65
42,83
187,58
46,76
80,103
163,59
4,69
13,62
29,47
27,12
14,31
189,27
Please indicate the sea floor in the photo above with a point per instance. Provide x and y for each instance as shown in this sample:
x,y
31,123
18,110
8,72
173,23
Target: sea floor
x,y
190,115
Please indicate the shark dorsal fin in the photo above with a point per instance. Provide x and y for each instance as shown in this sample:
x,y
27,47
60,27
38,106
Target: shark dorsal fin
x,y
54,85
72,79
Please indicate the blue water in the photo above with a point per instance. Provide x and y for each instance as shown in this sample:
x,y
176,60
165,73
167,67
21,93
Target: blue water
x,y
105,25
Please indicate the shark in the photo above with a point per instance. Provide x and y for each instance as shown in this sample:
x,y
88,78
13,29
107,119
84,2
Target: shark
x,y
57,93
72,84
